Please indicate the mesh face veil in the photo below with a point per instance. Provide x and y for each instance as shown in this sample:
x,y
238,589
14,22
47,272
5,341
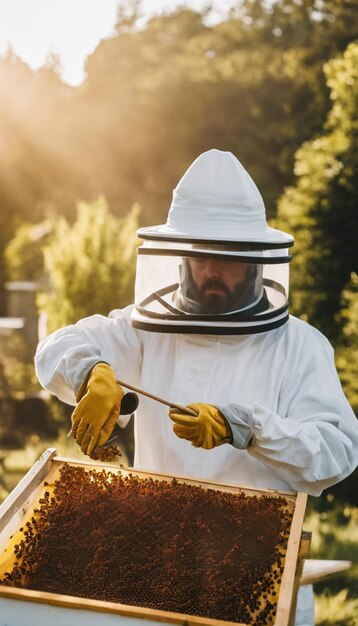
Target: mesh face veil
x,y
215,267
179,289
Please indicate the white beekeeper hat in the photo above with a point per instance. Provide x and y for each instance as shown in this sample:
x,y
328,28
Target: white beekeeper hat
x,y
216,199
217,213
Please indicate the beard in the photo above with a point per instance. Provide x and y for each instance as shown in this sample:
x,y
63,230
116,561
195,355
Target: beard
x,y
216,302
214,297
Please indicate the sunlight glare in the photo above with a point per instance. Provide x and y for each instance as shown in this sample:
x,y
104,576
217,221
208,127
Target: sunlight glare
x,y
36,29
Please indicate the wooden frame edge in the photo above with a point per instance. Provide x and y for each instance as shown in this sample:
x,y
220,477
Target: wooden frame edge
x,y
288,578
32,479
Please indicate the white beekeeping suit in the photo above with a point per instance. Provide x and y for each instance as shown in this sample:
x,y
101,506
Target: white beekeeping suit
x,y
272,376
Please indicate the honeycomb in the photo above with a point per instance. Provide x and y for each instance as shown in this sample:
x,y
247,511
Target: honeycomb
x,y
161,544
105,453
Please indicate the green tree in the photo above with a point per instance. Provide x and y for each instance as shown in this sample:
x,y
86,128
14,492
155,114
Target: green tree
x,y
24,252
347,350
90,264
320,210
253,85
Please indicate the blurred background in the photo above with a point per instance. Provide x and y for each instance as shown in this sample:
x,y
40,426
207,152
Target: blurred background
x,y
103,106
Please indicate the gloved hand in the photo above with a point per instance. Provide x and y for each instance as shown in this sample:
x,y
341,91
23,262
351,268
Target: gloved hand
x,y
208,430
99,403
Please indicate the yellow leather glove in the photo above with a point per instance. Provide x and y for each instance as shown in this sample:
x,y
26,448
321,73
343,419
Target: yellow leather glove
x,y
99,403
208,430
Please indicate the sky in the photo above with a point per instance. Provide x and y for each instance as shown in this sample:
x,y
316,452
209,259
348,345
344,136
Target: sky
x,y
72,29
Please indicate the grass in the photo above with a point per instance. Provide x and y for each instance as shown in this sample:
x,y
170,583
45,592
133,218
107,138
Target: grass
x,y
337,609
335,536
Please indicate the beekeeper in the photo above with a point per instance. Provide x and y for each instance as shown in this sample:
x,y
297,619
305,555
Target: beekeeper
x,y
210,329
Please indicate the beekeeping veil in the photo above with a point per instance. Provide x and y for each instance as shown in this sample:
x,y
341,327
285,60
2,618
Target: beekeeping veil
x,y
217,214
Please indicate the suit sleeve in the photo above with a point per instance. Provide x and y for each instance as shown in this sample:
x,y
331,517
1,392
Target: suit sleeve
x,y
312,441
64,358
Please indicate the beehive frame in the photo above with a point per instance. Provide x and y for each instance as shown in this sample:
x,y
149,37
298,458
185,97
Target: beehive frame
x,y
18,507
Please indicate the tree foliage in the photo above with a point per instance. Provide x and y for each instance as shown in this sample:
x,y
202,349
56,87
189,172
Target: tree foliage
x,y
24,252
156,97
90,264
322,203
320,210
347,348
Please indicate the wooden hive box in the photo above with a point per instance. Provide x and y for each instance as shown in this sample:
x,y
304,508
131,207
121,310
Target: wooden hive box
x,y
31,607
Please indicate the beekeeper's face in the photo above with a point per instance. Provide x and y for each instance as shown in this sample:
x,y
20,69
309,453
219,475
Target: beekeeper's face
x,y
217,282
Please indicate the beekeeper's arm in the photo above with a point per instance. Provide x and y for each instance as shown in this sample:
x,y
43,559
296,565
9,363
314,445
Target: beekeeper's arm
x,y
313,443
81,362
